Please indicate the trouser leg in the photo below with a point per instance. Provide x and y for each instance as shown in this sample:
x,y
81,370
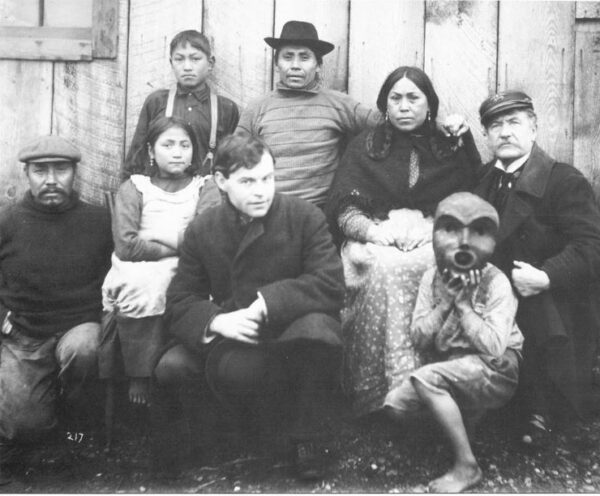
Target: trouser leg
x,y
178,379
27,387
312,368
541,390
77,357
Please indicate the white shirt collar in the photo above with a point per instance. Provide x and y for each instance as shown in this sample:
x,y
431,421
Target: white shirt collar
x,y
514,166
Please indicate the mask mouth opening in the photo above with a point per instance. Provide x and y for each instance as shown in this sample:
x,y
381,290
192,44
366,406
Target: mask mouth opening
x,y
464,259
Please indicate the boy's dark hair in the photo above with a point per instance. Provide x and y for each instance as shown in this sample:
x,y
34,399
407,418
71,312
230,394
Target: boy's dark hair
x,y
157,127
318,56
239,150
195,38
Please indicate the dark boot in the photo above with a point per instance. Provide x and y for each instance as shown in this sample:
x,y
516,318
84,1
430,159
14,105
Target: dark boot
x,y
312,369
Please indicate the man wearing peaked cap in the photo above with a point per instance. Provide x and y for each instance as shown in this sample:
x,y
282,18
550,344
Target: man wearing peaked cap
x,y
54,253
549,246
304,123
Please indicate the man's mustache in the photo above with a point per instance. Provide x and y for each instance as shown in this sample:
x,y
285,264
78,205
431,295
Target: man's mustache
x,y
52,190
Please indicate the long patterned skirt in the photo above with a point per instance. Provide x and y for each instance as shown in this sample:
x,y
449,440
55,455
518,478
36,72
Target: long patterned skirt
x,y
382,286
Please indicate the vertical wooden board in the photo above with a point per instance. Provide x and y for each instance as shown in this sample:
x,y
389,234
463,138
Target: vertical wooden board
x,y
89,109
152,25
236,29
588,10
26,103
536,54
384,34
587,95
460,57
331,20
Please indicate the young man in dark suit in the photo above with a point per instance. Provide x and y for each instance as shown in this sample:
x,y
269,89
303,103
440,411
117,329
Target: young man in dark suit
x,y
549,246
254,304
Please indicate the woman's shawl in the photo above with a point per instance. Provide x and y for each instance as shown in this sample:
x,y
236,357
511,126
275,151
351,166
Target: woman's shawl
x,y
376,182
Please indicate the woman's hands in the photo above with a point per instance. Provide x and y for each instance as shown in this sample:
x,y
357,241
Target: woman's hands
x,y
381,234
405,229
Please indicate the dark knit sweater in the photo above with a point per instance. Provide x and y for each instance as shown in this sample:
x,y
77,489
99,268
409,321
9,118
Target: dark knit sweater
x,y
53,264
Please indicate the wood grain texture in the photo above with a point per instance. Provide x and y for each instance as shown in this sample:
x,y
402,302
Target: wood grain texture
x,y
587,114
152,25
26,102
384,34
331,20
588,10
45,43
536,54
105,29
460,58
89,109
236,29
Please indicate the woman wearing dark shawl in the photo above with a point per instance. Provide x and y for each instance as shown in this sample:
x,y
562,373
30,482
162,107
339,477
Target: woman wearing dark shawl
x,y
380,209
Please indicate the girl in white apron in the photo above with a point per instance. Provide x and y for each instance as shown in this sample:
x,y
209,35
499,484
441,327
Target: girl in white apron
x,y
151,213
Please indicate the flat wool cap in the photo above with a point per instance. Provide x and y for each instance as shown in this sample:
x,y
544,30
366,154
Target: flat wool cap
x,y
502,103
49,149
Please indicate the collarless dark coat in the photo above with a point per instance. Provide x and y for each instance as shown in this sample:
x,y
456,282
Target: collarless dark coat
x,y
288,256
551,221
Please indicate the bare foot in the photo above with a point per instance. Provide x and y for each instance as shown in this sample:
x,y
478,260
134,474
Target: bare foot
x,y
460,478
139,390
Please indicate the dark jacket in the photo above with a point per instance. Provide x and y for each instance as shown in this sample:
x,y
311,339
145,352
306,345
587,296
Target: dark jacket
x,y
551,221
288,256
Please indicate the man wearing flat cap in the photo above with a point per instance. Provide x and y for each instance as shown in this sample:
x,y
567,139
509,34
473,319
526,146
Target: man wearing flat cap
x,y
549,246
304,123
54,253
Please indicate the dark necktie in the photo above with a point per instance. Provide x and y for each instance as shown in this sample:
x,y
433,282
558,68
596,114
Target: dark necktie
x,y
505,182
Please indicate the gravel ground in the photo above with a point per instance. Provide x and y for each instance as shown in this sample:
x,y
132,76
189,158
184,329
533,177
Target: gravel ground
x,y
366,457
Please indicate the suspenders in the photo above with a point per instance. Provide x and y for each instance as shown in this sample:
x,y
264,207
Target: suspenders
x,y
170,102
214,116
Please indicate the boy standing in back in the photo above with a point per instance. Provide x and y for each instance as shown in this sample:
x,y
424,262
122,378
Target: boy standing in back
x,y
192,100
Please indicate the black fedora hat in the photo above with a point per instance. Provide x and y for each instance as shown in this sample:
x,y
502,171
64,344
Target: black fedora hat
x,y
300,33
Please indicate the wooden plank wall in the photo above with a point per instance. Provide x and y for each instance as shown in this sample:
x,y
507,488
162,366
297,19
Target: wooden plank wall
x,y
152,24
550,49
462,78
586,129
89,108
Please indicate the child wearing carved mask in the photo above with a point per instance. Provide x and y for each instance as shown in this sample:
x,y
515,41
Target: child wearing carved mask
x,y
464,328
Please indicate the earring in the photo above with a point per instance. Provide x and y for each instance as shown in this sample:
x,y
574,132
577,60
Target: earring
x,y
387,116
152,163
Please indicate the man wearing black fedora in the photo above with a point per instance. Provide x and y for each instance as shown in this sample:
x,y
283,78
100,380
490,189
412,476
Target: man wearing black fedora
x,y
549,246
304,123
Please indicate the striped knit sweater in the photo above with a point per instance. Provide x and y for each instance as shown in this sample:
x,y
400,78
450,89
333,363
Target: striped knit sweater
x,y
306,130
